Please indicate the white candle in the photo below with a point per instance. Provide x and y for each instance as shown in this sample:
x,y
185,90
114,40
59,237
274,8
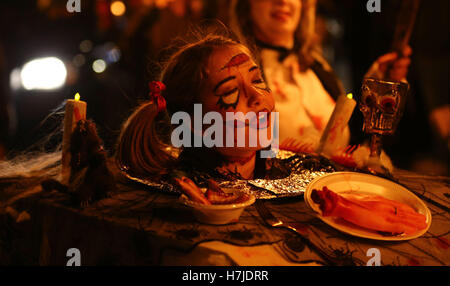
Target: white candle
x,y
75,111
336,125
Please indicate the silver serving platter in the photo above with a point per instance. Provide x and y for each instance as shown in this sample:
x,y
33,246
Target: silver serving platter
x,y
293,185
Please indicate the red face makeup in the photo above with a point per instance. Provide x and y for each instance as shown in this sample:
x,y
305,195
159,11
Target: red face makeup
x,y
235,85
237,60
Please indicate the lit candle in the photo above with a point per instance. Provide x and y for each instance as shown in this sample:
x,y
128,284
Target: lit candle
x,y
329,142
75,111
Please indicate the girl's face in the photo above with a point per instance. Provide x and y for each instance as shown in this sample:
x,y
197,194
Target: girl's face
x,y
235,86
275,21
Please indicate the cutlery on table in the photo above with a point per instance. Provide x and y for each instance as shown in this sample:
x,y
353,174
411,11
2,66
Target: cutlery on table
x,y
273,221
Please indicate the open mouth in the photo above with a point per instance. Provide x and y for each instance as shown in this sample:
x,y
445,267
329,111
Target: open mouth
x,y
259,120
281,15
262,120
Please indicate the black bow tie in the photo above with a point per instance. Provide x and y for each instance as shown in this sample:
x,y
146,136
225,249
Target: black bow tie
x,y
283,52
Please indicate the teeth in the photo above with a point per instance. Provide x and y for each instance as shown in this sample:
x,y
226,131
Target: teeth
x,y
262,115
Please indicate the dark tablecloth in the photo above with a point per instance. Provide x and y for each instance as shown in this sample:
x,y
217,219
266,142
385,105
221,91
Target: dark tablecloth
x,y
141,226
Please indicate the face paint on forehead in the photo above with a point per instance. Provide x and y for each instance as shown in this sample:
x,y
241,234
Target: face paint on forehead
x,y
237,60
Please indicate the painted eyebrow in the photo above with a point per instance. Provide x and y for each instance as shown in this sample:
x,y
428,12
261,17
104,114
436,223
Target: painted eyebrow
x,y
232,77
223,81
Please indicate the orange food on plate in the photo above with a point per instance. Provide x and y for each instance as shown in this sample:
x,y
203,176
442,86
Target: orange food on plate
x,y
370,211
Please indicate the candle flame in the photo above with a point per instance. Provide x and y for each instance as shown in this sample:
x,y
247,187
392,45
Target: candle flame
x,y
350,95
77,96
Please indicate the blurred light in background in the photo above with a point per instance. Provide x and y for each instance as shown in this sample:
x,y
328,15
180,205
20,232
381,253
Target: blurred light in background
x,y
99,66
14,79
118,8
110,52
41,74
86,46
147,2
105,55
78,60
43,4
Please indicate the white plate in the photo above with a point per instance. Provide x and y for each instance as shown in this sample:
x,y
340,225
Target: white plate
x,y
366,184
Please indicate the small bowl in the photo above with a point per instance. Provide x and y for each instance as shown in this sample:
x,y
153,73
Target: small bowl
x,y
220,213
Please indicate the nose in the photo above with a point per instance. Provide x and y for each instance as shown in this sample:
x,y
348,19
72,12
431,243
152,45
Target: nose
x,y
254,97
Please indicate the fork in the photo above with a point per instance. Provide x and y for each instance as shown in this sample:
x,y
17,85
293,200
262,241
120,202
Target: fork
x,y
272,221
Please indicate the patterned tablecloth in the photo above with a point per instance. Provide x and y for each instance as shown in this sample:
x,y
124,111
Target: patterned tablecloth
x,y
140,226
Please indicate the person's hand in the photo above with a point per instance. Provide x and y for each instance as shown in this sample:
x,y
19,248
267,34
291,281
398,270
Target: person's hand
x,y
392,65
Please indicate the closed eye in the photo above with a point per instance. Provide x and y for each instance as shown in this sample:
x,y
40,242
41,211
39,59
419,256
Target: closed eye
x,y
253,68
229,99
261,84
258,82
228,92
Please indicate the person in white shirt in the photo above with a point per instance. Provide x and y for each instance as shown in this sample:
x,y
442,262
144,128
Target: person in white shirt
x,y
303,83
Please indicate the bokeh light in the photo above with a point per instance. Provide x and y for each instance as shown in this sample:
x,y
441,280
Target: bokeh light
x,y
118,8
15,82
44,73
99,66
79,60
86,46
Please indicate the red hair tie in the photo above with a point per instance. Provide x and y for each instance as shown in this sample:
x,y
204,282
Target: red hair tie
x,y
156,87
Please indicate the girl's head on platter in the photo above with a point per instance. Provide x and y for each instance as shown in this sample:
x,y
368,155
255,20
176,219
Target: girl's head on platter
x,y
222,76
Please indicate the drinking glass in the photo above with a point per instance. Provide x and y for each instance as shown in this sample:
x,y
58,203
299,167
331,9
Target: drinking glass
x,y
382,104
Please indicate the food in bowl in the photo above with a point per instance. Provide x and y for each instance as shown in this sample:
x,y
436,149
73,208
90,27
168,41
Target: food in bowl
x,y
214,205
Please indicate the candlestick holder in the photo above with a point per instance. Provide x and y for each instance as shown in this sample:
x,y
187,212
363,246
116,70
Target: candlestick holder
x,y
75,110
333,135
